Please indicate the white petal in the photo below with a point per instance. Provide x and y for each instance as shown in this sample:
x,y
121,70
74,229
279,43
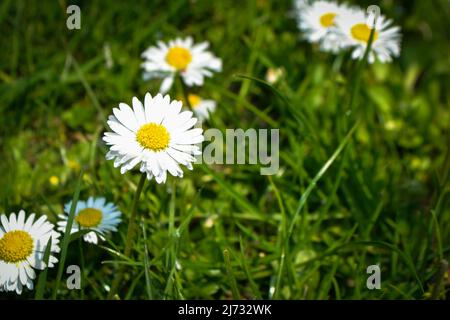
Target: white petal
x,y
139,111
166,84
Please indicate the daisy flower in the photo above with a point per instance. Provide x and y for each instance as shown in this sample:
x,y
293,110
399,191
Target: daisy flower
x,y
155,135
181,56
201,107
22,246
95,214
273,75
317,20
300,4
355,29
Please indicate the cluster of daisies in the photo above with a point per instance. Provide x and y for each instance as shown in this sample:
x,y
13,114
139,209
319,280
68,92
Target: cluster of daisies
x,y
157,135
335,27
192,63
24,240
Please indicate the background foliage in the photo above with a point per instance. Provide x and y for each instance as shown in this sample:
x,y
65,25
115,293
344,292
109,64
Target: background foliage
x,y
384,200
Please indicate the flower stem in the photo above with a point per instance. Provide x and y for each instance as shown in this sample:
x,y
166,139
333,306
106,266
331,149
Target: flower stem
x,y
356,82
130,234
80,244
360,66
184,91
132,223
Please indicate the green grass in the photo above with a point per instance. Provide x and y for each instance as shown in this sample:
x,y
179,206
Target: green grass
x,y
343,199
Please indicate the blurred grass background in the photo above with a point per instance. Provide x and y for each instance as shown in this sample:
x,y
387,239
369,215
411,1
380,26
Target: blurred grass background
x,y
383,201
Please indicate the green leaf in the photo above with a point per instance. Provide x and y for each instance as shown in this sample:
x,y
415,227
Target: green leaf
x,y
42,280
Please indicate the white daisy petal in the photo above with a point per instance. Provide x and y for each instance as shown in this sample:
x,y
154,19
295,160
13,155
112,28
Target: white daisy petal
x,y
12,221
318,22
5,222
164,140
166,84
139,113
92,215
355,32
17,261
21,219
126,116
29,222
181,56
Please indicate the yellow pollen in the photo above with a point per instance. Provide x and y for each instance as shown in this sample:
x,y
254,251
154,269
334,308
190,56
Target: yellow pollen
x,y
153,136
16,246
327,19
194,100
361,32
89,217
54,180
179,58
74,165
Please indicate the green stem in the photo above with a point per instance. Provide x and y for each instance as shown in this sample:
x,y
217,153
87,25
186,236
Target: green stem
x,y
80,244
130,233
66,238
184,91
172,253
357,78
231,278
172,210
132,223
360,66
443,267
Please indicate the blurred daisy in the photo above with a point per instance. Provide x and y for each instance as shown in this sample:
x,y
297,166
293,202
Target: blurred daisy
x,y
54,181
274,74
300,5
317,20
155,134
22,246
201,107
95,214
182,56
355,28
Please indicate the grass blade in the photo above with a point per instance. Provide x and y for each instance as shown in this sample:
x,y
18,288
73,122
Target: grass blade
x,y
148,285
66,238
40,287
231,278
252,282
319,175
242,201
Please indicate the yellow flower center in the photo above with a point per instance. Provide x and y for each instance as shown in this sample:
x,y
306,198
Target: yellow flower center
x,y
179,58
89,217
194,100
361,32
327,19
54,180
153,136
16,246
